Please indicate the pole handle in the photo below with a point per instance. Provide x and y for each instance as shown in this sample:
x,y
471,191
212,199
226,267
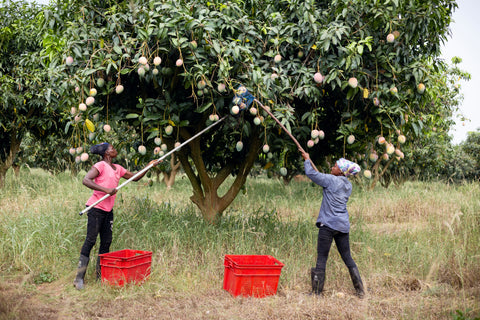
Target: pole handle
x,y
280,124
285,129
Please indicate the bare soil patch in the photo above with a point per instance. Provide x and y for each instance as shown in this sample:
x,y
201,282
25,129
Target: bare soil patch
x,y
387,298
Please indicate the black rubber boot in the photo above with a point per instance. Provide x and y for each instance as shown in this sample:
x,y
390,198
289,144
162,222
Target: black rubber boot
x,y
318,280
81,270
357,282
98,269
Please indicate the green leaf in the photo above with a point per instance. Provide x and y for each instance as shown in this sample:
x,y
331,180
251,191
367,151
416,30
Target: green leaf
x,y
360,49
152,118
118,50
351,93
152,135
132,116
67,126
416,129
77,51
306,115
88,72
216,47
203,108
143,34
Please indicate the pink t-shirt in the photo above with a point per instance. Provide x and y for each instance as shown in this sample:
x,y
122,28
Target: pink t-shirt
x,y
108,178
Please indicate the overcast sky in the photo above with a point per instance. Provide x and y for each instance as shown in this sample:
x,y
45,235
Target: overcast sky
x,y
464,44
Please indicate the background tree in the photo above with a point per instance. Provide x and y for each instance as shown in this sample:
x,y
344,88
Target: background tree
x,y
27,106
356,70
427,154
471,147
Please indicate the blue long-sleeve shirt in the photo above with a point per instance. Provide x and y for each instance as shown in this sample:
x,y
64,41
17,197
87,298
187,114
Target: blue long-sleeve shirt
x,y
336,191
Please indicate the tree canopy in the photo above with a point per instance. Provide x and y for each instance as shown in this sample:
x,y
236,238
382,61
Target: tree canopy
x,y
358,79
26,102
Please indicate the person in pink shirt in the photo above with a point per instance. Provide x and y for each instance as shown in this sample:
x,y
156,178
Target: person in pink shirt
x,y
102,178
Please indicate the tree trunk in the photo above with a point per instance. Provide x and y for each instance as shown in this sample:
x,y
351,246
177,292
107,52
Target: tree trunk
x,y
205,187
73,168
169,177
3,173
8,162
379,175
288,178
16,169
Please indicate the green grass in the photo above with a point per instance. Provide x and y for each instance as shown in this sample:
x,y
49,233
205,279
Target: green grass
x,y
416,237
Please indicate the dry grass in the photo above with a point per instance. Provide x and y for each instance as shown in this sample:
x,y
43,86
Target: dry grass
x,y
396,300
416,247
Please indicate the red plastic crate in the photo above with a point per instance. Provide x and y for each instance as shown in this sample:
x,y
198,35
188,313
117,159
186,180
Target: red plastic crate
x,y
125,266
251,275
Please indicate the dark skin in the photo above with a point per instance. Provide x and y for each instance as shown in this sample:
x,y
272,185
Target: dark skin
x,y
335,169
110,154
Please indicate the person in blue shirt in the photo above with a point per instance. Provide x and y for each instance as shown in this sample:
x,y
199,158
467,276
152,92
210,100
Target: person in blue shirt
x,y
333,220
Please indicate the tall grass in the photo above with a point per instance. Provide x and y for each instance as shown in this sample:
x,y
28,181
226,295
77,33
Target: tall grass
x,y
419,236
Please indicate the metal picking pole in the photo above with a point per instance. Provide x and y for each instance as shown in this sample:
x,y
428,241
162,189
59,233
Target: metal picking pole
x,y
280,124
151,165
283,127
247,98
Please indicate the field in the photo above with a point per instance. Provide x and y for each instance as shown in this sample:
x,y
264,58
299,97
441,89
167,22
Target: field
x,y
416,245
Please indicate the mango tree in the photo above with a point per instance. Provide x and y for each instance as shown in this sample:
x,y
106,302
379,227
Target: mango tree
x,y
347,78
427,154
471,148
27,105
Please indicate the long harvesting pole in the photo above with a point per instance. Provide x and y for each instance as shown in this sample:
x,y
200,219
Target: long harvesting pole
x,y
243,99
280,124
153,163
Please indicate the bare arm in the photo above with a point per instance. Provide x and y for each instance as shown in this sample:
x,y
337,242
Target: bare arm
x,y
128,174
89,181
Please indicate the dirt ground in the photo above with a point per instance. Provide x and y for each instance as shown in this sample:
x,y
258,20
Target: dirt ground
x,y
405,299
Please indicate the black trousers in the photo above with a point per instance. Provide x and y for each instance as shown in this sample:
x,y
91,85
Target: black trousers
x,y
99,222
325,237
